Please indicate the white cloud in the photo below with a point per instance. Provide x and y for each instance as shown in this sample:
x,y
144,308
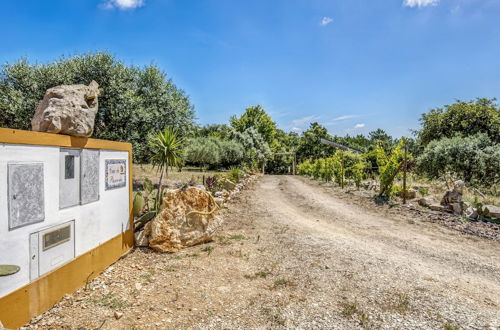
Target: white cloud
x,y
300,124
357,126
302,121
326,20
345,117
420,3
123,4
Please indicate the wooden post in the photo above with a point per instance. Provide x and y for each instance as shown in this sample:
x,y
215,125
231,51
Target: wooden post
x,y
342,170
405,169
294,167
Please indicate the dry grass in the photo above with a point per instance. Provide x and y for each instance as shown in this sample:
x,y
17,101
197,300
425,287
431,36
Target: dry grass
x,y
143,171
437,189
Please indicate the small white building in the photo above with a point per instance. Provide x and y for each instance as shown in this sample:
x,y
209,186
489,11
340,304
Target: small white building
x,y
65,215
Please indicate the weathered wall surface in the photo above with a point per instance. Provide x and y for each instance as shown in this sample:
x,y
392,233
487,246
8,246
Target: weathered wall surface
x,y
94,223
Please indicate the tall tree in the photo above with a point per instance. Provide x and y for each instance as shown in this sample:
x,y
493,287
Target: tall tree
x,y
462,119
257,118
310,146
133,101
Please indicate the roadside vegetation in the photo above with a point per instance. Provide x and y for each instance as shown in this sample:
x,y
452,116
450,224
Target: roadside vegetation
x,y
140,104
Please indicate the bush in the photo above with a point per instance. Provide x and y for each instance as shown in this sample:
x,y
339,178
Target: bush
x,y
474,159
234,174
389,167
305,168
203,152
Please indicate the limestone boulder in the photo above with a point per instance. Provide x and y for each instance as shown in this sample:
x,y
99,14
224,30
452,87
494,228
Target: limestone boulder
x,y
67,109
439,207
454,195
228,185
471,213
188,217
427,201
491,211
142,237
410,194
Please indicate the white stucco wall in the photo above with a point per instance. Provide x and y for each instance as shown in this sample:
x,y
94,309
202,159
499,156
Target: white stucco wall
x,y
95,223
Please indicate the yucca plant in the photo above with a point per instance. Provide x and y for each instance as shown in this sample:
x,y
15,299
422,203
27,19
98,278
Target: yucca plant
x,y
168,150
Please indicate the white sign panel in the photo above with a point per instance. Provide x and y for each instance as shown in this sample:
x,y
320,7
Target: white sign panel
x,y
116,173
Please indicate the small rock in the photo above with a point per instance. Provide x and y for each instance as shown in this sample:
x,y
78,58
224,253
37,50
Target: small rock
x,y
410,194
228,185
438,207
138,286
118,315
491,211
427,201
471,213
141,239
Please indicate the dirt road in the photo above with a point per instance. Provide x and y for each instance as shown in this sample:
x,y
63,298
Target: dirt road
x,y
295,254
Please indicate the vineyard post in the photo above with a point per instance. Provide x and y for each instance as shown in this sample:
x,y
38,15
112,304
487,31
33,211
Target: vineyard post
x,y
405,169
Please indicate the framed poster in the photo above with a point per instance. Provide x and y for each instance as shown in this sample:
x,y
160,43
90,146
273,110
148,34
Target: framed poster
x,y
116,173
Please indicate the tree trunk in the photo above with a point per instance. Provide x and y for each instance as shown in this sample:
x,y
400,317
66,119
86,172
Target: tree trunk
x,y
159,190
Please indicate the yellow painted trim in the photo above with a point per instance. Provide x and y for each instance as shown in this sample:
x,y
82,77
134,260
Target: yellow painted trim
x,y
15,136
20,306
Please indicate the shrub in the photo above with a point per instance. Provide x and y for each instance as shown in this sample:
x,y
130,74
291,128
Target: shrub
x,y
234,174
389,167
305,168
474,159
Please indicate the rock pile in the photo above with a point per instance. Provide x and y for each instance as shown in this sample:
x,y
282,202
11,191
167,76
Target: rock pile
x,y
67,109
452,202
189,216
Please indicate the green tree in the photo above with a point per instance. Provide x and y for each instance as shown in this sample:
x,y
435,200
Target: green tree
x,y
310,146
283,151
257,118
133,102
167,150
461,119
257,150
475,159
203,152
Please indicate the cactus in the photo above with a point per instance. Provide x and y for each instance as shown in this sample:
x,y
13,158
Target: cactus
x,y
139,204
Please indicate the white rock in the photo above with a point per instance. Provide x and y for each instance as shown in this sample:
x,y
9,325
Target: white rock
x,y
67,109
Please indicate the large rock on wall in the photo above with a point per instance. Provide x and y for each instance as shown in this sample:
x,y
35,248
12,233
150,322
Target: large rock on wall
x,y
188,217
67,109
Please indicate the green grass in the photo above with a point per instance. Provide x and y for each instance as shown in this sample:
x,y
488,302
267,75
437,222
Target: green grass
x,y
208,249
280,282
349,309
262,274
237,237
449,326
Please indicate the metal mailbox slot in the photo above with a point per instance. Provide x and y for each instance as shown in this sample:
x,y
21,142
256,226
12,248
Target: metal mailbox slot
x,y
69,178
51,248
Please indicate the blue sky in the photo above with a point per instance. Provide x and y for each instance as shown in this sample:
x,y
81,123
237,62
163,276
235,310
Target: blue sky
x,y
352,65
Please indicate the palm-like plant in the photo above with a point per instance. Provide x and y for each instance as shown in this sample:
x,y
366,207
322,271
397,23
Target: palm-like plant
x,y
168,150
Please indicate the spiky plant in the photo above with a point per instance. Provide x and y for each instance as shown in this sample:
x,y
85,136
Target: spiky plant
x,y
168,150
